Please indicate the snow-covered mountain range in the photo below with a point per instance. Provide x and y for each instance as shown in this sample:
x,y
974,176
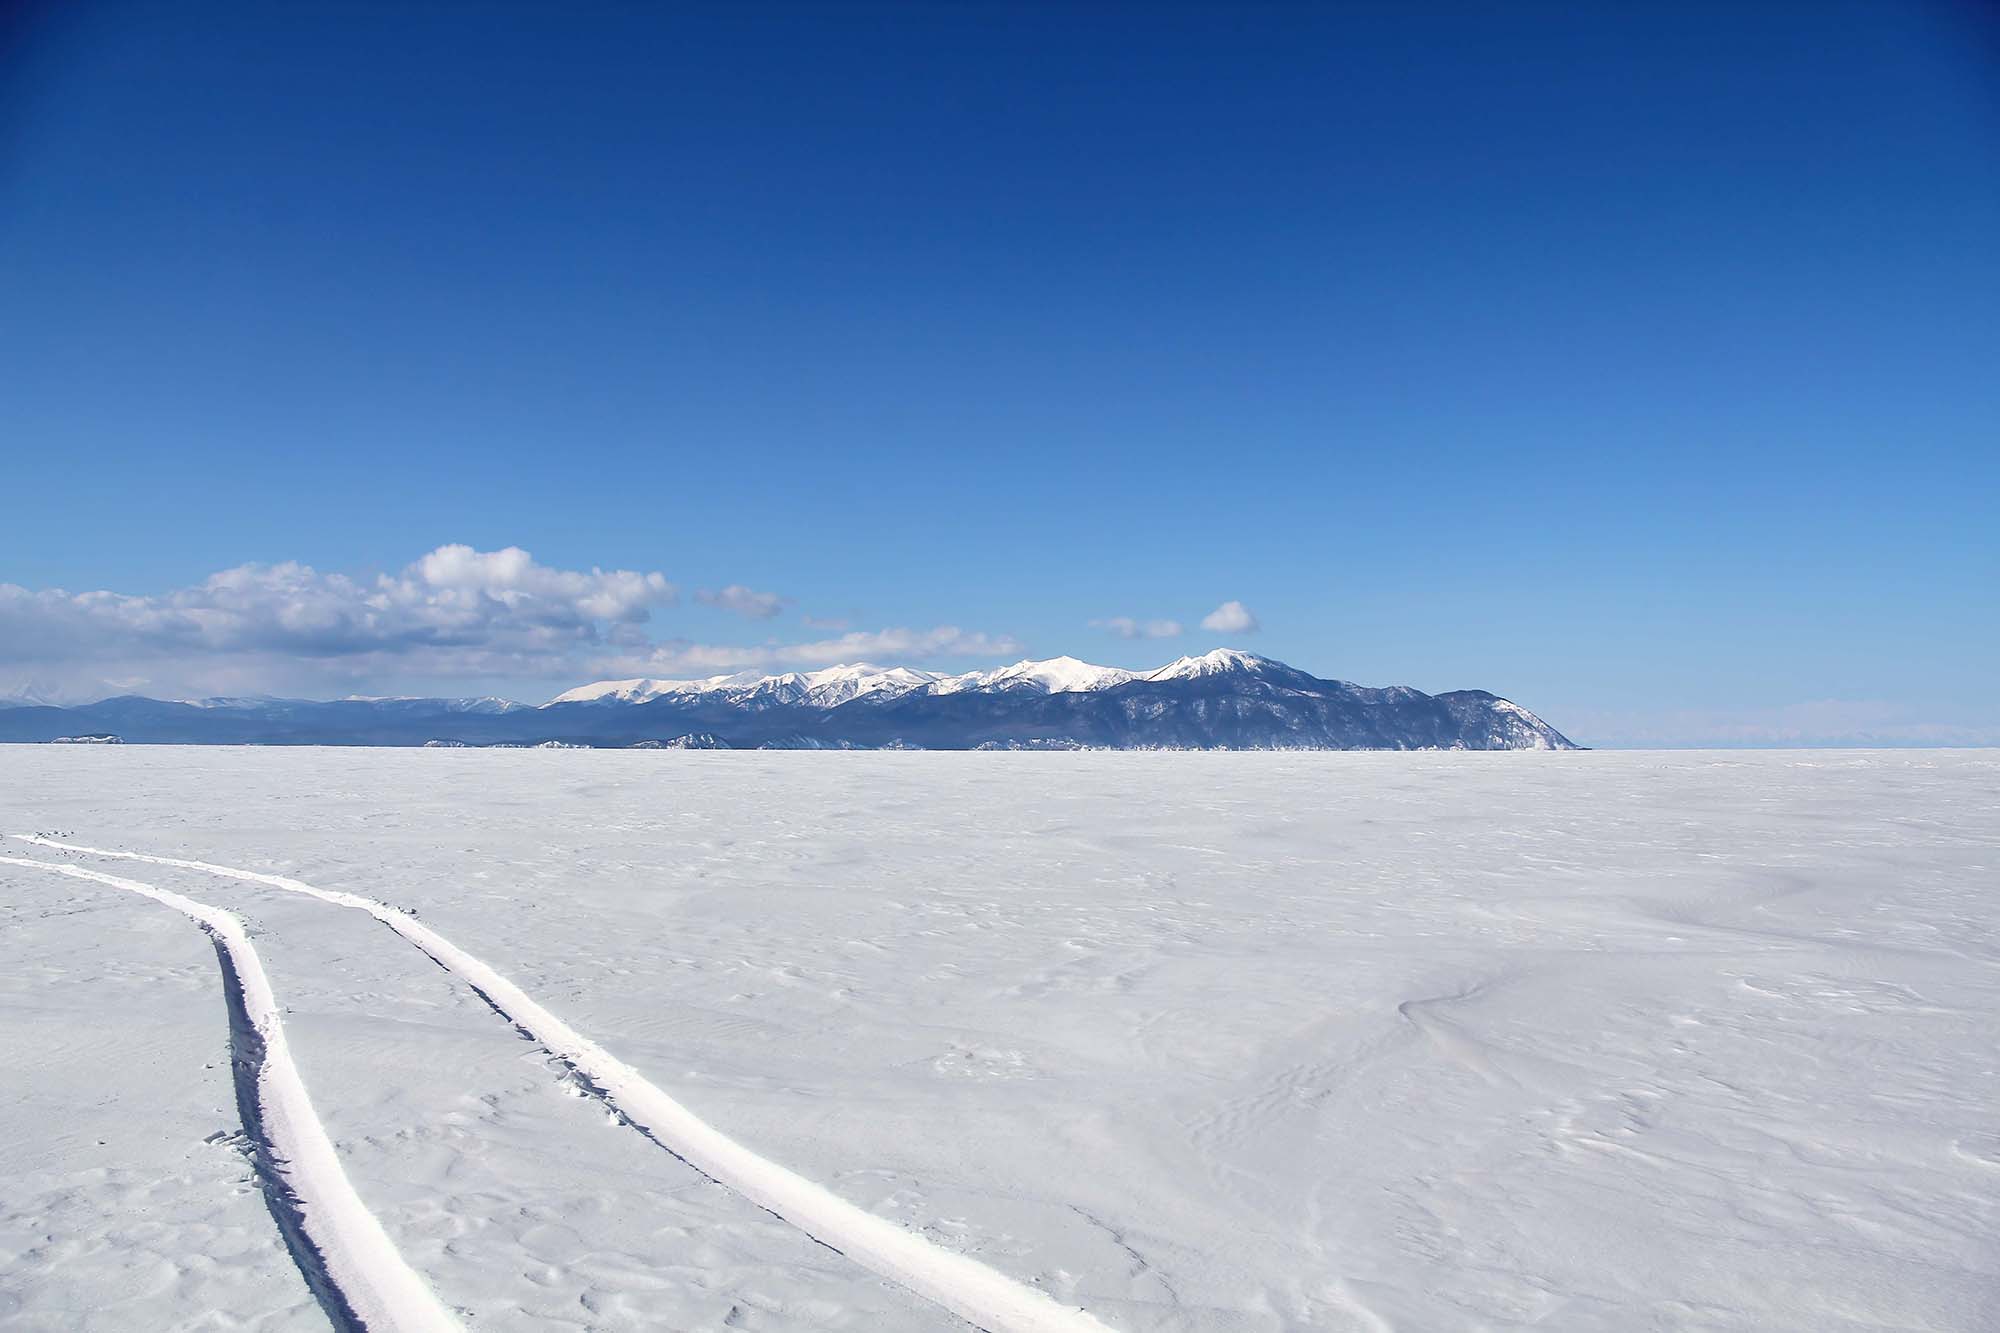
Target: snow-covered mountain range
x,y
1225,699
835,685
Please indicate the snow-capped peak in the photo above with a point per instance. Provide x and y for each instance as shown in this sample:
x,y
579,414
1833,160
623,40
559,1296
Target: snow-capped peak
x,y
1055,675
1212,663
1065,675
832,686
826,687
837,684
637,690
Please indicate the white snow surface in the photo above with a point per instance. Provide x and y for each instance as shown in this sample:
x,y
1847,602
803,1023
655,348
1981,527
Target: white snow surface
x,y
1185,1041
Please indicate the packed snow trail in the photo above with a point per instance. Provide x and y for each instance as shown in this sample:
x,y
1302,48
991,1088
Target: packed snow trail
x,y
982,1296
347,1260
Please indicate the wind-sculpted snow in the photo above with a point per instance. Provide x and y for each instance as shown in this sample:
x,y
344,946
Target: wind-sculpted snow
x,y
342,1252
1198,1043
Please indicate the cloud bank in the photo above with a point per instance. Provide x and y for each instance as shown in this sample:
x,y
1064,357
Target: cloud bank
x,y
456,614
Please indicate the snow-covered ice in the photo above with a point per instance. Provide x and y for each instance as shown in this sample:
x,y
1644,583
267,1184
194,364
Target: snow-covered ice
x,y
1183,1041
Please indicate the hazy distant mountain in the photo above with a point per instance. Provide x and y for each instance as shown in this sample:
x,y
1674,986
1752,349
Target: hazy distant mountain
x,y
1223,700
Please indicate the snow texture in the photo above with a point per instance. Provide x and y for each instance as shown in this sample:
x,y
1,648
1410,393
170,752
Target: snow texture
x,y
1588,1041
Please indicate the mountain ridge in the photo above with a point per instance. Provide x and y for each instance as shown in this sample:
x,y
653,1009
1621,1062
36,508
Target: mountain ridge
x,y
1223,699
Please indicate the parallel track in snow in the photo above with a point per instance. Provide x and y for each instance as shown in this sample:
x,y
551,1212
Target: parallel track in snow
x,y
347,1260
980,1295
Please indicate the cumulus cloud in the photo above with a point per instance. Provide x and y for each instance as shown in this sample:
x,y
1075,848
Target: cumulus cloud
x,y
458,585
746,602
1125,627
453,596
1230,618
455,611
455,616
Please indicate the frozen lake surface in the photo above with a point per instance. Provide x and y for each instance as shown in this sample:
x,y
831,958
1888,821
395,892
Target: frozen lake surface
x,y
1605,1041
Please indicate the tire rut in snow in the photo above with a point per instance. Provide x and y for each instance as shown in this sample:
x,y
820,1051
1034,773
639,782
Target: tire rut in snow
x,y
345,1258
982,1296
246,1068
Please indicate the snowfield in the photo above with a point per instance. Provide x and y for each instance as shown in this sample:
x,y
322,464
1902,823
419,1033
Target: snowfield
x,y
559,1039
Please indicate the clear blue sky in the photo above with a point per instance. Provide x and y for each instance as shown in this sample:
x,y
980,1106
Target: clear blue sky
x,y
1639,363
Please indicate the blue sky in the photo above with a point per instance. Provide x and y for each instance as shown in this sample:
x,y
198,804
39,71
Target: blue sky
x,y
1638,363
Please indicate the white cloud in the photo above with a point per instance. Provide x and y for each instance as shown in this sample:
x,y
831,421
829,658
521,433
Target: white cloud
x,y
453,596
454,617
1230,618
456,611
458,586
1125,627
746,602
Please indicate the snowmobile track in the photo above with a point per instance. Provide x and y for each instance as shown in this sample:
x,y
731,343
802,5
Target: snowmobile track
x,y
347,1260
983,1296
